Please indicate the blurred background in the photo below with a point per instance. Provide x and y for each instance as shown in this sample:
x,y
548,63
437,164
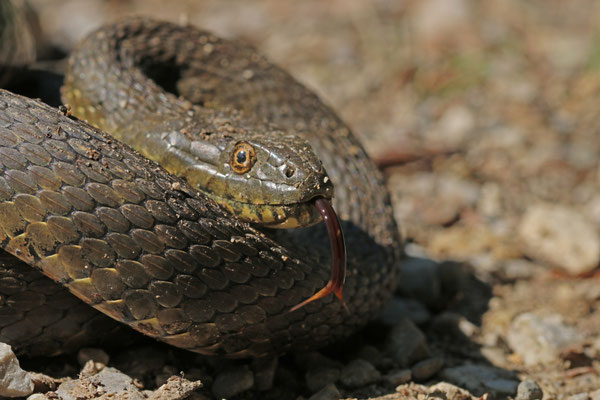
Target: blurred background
x,y
482,115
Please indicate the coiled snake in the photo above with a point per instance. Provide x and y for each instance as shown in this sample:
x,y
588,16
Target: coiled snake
x,y
150,250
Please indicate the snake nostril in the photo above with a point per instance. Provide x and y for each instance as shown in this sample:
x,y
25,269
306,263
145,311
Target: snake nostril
x,y
289,171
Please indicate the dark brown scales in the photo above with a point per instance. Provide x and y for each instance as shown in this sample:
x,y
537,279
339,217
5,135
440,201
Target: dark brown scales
x,y
143,247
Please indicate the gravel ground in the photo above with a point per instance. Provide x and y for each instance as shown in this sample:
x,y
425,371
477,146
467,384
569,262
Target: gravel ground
x,y
483,117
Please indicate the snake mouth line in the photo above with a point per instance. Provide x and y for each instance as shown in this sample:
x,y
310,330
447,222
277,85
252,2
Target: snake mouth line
x,y
338,255
280,216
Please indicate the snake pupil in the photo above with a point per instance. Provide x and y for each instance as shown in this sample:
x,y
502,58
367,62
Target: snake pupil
x,y
241,157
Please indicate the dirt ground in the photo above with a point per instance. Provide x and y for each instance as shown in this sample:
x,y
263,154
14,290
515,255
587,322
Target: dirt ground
x,y
483,117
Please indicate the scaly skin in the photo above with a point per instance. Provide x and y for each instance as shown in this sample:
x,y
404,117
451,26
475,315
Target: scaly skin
x,y
146,248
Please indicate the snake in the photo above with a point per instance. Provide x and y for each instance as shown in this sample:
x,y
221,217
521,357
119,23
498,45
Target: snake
x,y
164,196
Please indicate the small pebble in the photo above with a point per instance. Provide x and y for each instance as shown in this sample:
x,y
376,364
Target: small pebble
x,y
406,344
14,381
427,368
540,339
529,390
92,368
320,377
359,373
398,377
232,382
329,392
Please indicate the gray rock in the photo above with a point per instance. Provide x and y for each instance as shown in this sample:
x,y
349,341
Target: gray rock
x,y
406,344
359,373
529,390
232,382
540,339
320,377
108,382
560,236
329,392
14,382
398,308
398,377
420,280
480,379
427,368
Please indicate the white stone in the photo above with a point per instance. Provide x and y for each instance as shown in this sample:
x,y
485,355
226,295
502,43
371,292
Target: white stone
x,y
14,382
38,396
540,339
561,237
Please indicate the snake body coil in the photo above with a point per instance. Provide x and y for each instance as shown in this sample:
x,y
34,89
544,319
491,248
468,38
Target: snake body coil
x,y
142,245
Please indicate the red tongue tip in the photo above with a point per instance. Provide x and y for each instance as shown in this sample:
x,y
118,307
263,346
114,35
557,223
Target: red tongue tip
x,y
338,256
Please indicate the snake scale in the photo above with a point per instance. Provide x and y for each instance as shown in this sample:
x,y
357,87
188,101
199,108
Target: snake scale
x,y
146,247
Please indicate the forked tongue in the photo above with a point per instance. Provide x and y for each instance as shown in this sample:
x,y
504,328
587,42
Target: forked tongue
x,y
338,255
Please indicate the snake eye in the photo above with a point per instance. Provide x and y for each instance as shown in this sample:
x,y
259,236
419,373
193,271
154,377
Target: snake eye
x,y
242,158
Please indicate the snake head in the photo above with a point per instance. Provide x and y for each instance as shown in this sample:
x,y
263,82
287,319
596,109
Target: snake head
x,y
263,180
